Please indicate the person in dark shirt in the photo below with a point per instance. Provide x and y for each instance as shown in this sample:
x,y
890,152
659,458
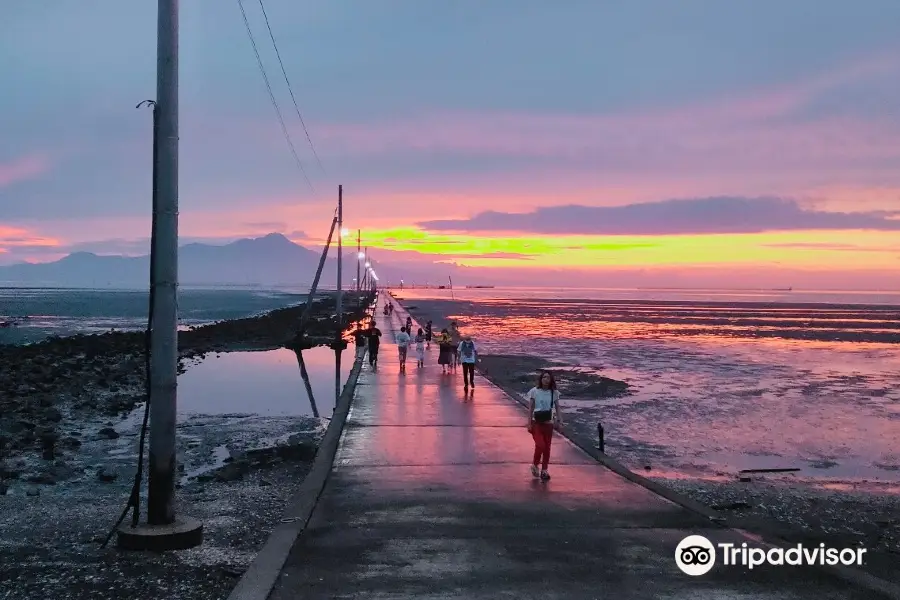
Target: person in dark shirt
x,y
373,335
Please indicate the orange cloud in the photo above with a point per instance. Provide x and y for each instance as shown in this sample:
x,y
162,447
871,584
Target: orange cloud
x,y
23,169
23,244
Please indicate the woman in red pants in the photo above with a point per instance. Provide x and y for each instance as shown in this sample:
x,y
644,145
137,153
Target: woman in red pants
x,y
543,415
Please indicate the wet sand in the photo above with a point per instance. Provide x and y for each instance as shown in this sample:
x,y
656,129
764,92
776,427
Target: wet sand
x,y
689,447
71,417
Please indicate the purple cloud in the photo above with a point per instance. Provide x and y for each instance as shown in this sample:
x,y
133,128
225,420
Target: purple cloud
x,y
683,216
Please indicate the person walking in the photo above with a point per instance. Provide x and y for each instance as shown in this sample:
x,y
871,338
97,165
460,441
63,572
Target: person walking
x,y
468,354
429,333
373,336
445,356
409,325
420,348
543,417
402,340
454,343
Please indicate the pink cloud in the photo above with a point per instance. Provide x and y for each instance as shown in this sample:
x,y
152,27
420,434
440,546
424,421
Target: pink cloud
x,y
22,169
754,133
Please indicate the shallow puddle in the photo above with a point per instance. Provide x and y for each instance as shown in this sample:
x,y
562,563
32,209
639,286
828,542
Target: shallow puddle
x,y
265,383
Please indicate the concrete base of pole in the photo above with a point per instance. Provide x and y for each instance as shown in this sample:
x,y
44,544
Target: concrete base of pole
x,y
184,533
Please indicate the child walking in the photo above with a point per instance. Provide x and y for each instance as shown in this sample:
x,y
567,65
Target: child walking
x,y
543,416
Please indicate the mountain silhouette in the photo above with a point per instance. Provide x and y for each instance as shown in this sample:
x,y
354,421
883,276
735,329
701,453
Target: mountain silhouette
x,y
271,260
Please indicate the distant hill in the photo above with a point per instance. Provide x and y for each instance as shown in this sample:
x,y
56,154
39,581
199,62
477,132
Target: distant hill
x,y
265,261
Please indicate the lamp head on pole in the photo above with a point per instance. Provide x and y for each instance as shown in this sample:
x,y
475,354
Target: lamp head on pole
x,y
361,255
368,265
345,232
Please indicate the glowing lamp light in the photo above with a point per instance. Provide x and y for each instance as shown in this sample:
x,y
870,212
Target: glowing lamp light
x,y
361,255
368,265
345,232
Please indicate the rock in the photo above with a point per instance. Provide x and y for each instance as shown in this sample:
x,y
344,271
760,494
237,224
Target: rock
x,y
71,442
53,415
32,492
232,472
106,476
46,478
23,425
4,487
55,473
108,433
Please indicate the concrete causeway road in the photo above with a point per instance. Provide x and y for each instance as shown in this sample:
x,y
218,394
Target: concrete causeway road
x,y
430,496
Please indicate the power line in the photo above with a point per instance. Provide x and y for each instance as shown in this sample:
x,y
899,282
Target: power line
x,y
262,69
290,89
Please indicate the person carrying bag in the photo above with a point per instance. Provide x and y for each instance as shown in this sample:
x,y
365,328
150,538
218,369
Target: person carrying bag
x,y
543,416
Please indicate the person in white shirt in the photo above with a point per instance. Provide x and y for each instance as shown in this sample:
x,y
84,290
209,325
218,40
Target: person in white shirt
x,y
468,355
420,348
402,340
543,416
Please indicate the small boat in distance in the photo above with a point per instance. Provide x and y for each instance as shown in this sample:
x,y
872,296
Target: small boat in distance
x,y
479,287
788,289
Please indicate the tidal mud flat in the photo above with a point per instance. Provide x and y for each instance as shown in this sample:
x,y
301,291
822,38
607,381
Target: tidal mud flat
x,y
698,445
71,422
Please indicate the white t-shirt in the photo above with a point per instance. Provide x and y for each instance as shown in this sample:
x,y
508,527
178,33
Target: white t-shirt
x,y
402,339
542,398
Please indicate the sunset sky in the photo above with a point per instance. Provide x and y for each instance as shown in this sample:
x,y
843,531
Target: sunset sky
x,y
698,142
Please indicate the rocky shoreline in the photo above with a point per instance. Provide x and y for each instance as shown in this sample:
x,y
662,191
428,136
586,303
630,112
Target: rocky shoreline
x,y
237,474
70,435
47,387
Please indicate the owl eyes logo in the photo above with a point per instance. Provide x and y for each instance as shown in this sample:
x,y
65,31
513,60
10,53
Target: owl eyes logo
x,y
695,555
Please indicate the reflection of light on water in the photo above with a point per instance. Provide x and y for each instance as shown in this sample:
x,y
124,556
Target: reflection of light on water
x,y
262,383
713,398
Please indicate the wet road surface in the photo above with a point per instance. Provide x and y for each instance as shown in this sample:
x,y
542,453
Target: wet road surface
x,y
430,497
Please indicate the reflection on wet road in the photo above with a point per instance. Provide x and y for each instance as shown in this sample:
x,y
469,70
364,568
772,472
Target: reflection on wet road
x,y
430,497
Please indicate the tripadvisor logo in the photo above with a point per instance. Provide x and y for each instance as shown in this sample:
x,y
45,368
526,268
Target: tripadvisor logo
x,y
695,555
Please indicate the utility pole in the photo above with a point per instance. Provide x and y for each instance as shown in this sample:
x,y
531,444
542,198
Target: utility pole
x,y
164,531
358,258
164,337
340,299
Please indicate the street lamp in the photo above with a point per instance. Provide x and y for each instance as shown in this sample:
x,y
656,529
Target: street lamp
x,y
344,232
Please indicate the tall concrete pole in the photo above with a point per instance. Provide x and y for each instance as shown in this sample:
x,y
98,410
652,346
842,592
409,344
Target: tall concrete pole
x,y
164,530
164,279
340,299
358,258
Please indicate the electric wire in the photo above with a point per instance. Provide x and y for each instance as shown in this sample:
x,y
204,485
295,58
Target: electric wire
x,y
262,69
134,498
290,88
